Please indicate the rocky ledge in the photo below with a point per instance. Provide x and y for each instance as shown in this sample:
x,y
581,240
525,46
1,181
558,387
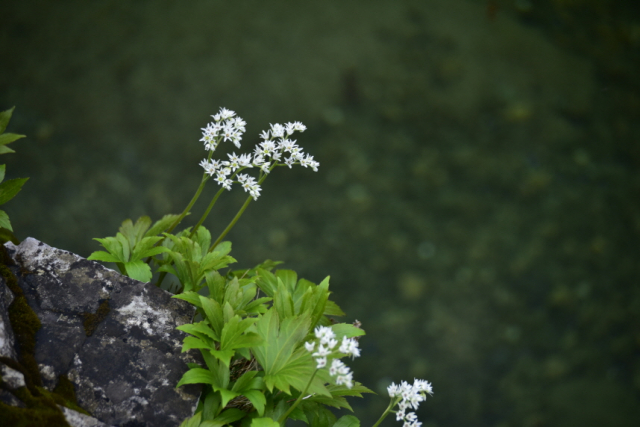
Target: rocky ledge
x,y
103,337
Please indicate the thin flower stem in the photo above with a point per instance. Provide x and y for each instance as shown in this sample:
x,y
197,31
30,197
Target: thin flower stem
x,y
195,197
240,212
283,418
386,412
206,213
232,223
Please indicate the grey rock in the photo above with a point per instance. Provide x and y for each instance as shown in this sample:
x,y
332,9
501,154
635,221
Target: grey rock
x,y
112,336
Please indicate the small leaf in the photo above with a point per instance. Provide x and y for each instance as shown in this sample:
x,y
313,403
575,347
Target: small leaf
x,y
138,270
347,421
8,138
2,169
10,188
193,421
4,220
197,376
161,225
257,399
5,150
193,342
264,422
192,298
103,256
5,116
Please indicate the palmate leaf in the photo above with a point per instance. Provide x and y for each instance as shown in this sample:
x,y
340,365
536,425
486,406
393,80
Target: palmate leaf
x,y
285,362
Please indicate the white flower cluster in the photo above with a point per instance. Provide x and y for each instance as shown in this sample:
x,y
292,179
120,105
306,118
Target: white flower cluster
x,y
411,396
327,343
227,127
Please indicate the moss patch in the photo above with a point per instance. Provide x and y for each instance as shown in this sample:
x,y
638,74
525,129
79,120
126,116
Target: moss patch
x,y
41,405
92,320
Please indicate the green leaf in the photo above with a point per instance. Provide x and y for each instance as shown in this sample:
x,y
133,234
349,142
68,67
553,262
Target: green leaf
x,y
213,311
257,399
285,362
267,282
103,256
347,421
223,355
193,342
4,220
289,278
2,170
264,422
347,330
8,138
161,225
124,245
197,376
191,297
332,309
8,189
138,270
135,232
112,245
228,416
5,150
222,249
193,421
5,116
199,329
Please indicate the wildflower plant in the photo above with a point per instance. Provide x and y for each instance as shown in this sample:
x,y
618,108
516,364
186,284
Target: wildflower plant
x,y
271,347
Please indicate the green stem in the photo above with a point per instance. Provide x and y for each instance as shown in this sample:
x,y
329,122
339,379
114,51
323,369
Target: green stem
x,y
240,212
386,411
283,418
206,213
186,210
232,223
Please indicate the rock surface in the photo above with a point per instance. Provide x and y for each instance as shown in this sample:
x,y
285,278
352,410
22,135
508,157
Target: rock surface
x,y
113,337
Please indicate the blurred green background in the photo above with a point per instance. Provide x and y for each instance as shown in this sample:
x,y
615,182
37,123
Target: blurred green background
x,y
478,199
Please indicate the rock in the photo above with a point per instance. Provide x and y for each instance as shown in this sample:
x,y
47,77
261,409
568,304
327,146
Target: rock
x,y
113,337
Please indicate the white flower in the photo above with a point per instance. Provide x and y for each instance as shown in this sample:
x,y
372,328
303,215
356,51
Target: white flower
x,y
324,333
264,135
267,148
299,127
349,346
245,160
226,114
288,145
309,162
345,379
338,368
310,346
393,390
411,396
321,362
255,191
239,124
277,130
322,351
210,166
289,161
